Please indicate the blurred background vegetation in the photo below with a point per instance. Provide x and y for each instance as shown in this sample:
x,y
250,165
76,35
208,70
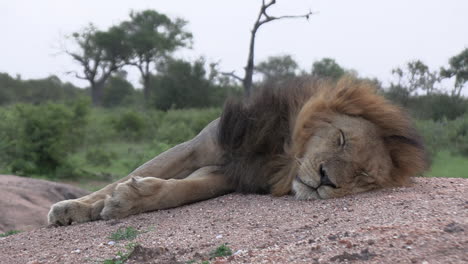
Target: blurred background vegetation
x,y
54,130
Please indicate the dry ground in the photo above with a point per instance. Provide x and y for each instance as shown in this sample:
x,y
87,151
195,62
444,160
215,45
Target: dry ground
x,y
425,223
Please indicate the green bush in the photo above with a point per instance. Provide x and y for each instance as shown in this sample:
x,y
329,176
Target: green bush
x,y
442,135
458,133
36,140
181,125
100,157
131,125
435,134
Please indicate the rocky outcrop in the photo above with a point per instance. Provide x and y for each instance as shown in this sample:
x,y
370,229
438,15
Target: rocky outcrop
x,y
25,202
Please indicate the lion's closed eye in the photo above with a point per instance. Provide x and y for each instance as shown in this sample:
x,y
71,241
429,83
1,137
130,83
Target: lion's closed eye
x,y
341,139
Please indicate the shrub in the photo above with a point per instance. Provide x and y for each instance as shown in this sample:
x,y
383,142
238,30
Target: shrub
x,y
100,157
458,133
131,125
181,125
37,139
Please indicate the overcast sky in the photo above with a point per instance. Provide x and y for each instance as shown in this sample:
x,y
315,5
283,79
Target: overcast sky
x,y
369,36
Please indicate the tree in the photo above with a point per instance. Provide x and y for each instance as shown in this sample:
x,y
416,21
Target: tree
x,y
277,68
118,90
181,84
151,37
416,77
262,18
327,68
100,53
458,68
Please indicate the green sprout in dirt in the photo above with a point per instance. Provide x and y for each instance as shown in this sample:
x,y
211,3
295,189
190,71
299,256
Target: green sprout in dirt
x,y
9,233
128,233
221,251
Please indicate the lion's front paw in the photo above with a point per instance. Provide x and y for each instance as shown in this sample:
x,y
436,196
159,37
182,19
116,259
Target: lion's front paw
x,y
73,211
129,198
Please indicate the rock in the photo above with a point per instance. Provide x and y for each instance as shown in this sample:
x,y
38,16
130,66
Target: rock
x,y
25,201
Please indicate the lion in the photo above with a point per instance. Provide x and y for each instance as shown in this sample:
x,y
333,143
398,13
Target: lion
x,y
314,139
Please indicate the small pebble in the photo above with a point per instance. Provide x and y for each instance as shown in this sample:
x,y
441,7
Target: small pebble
x,y
240,251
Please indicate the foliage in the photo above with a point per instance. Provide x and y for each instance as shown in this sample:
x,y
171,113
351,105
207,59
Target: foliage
x,y
221,251
277,68
458,133
128,233
131,125
9,233
50,89
434,106
181,84
99,53
445,134
99,156
416,77
152,37
106,151
37,139
458,68
327,68
118,91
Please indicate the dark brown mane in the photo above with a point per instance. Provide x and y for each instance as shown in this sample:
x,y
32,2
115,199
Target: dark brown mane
x,y
255,133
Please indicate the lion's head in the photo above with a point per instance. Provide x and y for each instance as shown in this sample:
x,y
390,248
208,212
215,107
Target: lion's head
x,y
347,139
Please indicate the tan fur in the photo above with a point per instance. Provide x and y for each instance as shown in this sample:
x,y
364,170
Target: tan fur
x,y
385,150
381,149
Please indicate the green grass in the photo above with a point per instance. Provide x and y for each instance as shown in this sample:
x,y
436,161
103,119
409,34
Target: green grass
x,y
221,251
9,233
445,164
128,233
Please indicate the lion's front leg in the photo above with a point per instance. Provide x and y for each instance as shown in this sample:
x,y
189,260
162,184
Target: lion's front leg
x,y
178,162
139,195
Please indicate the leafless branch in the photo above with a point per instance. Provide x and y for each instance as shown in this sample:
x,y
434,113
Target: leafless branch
x,y
76,75
232,75
263,18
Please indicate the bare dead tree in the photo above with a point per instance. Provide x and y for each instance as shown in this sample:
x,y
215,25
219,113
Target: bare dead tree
x,y
263,18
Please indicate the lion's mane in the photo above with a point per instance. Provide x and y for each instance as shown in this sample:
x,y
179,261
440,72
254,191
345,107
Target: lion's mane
x,y
263,134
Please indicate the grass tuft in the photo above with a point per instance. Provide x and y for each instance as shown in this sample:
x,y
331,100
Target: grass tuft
x,y
128,233
221,251
9,233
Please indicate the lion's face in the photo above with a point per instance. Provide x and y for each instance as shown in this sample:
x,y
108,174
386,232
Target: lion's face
x,y
344,155
348,139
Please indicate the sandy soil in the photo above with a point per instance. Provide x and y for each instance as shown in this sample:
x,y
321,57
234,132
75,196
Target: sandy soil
x,y
425,223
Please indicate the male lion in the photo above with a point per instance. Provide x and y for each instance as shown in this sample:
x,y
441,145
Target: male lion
x,y
316,139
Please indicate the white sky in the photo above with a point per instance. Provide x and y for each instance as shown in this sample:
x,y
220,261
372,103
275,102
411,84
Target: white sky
x,y
369,36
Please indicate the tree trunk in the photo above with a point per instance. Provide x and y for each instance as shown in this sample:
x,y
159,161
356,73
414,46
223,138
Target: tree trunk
x,y
146,88
249,68
97,93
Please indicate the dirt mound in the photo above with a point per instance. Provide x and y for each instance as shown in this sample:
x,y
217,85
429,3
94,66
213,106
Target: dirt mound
x,y
25,202
424,223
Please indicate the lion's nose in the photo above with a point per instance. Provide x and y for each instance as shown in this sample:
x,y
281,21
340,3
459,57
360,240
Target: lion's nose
x,y
324,179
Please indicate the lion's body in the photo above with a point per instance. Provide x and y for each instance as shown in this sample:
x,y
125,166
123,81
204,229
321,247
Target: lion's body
x,y
315,139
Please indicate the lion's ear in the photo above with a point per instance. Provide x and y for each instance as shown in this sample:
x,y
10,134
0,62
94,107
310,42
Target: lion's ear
x,y
409,158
